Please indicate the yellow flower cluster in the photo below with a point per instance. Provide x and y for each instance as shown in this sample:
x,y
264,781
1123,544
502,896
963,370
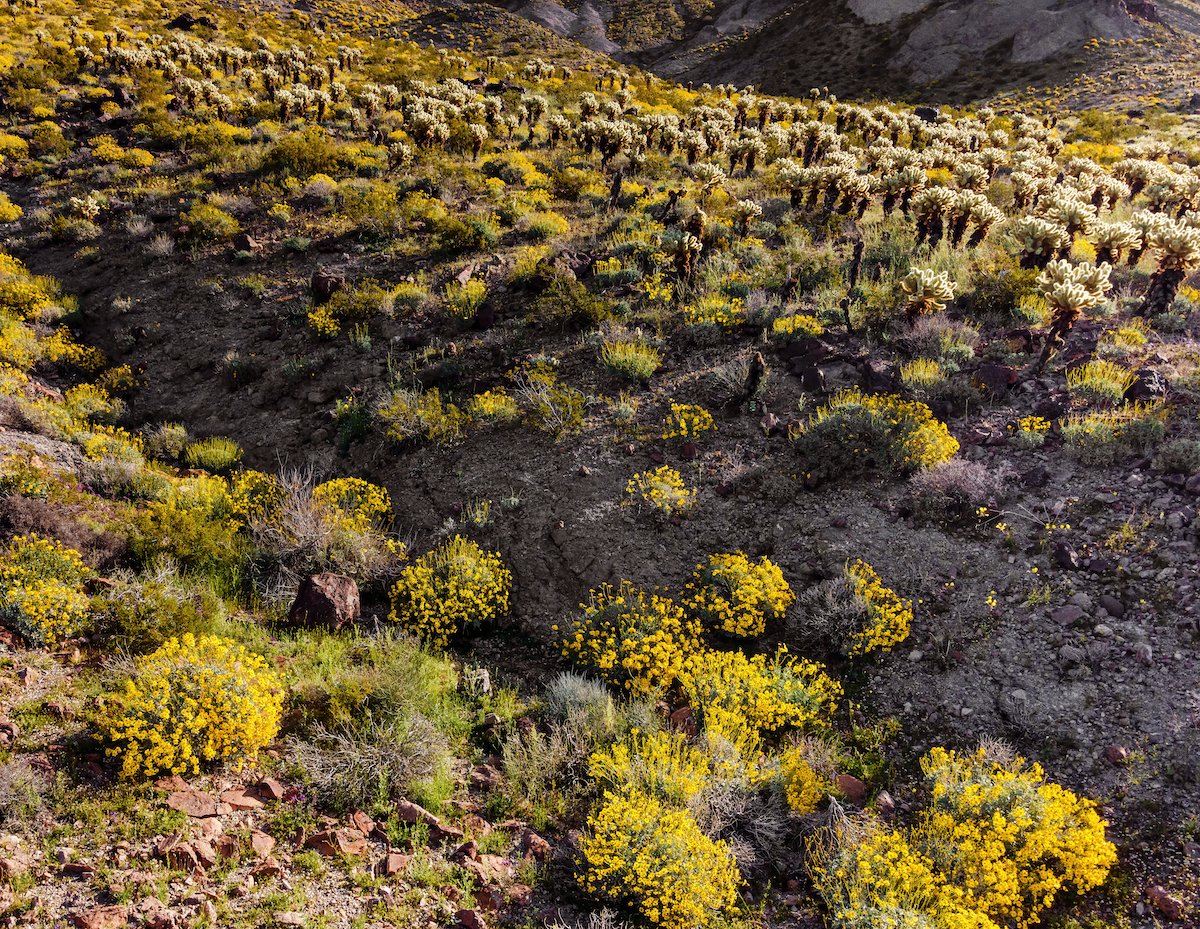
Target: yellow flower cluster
x,y
799,324
638,640
496,406
41,589
641,853
730,593
664,765
662,490
802,786
888,616
455,586
686,421
715,309
876,430
729,692
879,880
354,503
254,497
194,702
1007,838
322,321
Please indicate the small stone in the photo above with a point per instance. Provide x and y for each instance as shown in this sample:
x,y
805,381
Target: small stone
x,y
238,799
192,802
262,844
325,601
1116,754
269,789
1103,631
395,863
470,919
102,917
850,787
1166,903
534,845
290,918
1068,614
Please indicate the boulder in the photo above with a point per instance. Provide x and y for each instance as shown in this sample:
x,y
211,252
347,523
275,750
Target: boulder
x,y
325,284
325,601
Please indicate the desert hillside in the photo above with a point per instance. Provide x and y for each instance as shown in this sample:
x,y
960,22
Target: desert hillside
x,y
599,466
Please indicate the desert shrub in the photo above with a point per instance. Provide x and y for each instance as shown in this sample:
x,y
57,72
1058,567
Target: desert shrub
x,y
664,765
732,695
216,454
566,302
41,589
1100,437
545,225
871,876
661,492
361,303
464,299
366,766
302,154
139,614
731,594
1179,456
354,503
468,233
208,223
1011,841
456,586
795,326
166,442
9,211
687,421
570,693
409,414
633,639
641,853
854,612
21,793
953,491
803,787
494,406
856,431
1099,381
548,404
191,703
632,359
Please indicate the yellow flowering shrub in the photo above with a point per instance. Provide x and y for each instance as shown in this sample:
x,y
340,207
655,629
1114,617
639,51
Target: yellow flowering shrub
x,y
730,593
797,325
494,406
41,589
664,765
802,786
354,503
856,431
687,421
1010,840
662,491
196,701
455,586
631,638
888,617
639,852
876,880
729,691
255,496
9,211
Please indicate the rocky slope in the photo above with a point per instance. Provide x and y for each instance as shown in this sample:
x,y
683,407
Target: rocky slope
x,y
788,45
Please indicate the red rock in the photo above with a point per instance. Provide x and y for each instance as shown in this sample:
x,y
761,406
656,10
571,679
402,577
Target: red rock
x,y
268,867
487,777
15,864
682,720
227,846
9,732
195,804
325,284
179,855
269,789
470,919
172,784
78,869
1167,904
850,787
534,845
205,853
489,899
155,915
395,863
466,850
521,894
412,813
477,825
330,842
261,843
240,800
102,917
325,601
362,822
1116,754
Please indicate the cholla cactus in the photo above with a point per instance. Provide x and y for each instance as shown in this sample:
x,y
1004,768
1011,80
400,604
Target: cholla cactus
x,y
1178,248
930,207
928,292
746,212
1039,240
687,255
1114,239
1070,290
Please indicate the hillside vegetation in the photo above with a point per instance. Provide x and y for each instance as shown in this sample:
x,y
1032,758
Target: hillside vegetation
x,y
442,485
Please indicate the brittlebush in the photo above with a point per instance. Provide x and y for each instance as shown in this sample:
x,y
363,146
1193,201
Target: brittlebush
x,y
195,702
664,765
888,617
456,586
802,786
739,597
41,589
631,638
1007,838
641,853
354,503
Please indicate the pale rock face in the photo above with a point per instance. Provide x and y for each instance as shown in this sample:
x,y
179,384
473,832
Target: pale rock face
x,y
877,12
586,25
1039,29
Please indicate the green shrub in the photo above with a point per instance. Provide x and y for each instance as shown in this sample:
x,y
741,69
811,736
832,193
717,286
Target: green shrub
x,y
302,154
216,454
209,223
